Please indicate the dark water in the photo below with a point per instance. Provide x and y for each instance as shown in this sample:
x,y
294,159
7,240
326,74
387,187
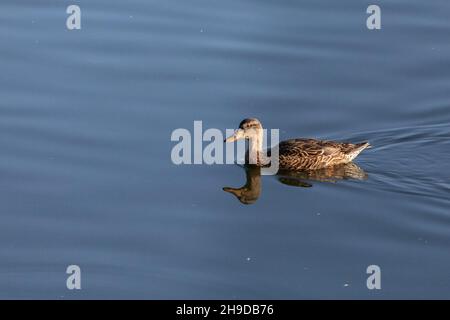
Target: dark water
x,y
86,176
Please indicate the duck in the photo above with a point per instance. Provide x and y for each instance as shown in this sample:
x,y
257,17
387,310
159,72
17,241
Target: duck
x,y
295,154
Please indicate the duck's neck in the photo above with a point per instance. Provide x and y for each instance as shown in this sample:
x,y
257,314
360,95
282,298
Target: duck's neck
x,y
255,151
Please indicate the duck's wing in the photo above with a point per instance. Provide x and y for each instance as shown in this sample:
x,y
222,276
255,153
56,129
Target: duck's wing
x,y
309,148
312,147
315,154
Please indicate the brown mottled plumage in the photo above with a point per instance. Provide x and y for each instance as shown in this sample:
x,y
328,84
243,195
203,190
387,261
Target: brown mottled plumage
x,y
310,154
297,154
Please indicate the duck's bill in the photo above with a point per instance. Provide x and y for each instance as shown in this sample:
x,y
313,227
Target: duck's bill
x,y
230,138
238,134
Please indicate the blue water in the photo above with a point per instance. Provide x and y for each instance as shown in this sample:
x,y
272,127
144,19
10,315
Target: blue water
x,y
86,176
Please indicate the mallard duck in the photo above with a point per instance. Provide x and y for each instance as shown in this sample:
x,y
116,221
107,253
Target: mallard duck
x,y
295,154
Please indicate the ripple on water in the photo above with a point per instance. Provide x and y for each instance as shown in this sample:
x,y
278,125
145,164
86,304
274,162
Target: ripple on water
x,y
410,160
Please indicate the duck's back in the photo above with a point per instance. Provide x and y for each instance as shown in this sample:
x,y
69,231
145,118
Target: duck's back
x,y
310,154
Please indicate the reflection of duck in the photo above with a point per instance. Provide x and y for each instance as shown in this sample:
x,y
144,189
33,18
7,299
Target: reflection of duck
x,y
328,174
296,154
250,192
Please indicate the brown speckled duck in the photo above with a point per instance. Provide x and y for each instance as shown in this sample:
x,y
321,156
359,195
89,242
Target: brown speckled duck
x,y
296,154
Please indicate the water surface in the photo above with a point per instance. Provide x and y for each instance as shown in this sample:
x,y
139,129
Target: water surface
x,y
86,176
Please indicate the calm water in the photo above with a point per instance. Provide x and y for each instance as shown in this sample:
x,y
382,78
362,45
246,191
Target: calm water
x,y
86,176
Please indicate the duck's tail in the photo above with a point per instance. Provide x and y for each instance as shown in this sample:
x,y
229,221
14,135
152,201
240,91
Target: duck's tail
x,y
359,147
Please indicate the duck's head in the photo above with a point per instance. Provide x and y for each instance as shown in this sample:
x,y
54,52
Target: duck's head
x,y
248,129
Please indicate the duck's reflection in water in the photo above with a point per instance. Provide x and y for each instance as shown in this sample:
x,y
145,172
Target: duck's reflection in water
x,y
251,191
